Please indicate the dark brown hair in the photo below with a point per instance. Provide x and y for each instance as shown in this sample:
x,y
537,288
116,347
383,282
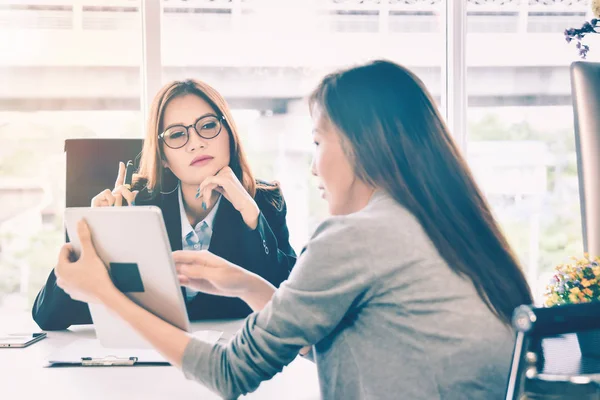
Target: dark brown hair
x,y
400,144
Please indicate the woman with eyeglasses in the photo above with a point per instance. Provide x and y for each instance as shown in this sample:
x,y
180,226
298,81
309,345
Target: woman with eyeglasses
x,y
194,168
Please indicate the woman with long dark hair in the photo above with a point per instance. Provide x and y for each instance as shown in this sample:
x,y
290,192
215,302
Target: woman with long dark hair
x,y
405,292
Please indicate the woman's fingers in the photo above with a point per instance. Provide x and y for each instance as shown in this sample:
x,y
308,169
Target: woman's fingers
x,y
198,273
210,180
103,199
183,280
85,238
64,257
196,264
118,199
110,199
193,271
226,171
224,182
125,193
118,183
207,186
187,256
207,194
121,175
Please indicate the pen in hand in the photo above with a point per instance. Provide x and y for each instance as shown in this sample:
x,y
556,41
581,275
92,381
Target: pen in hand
x,y
128,175
122,190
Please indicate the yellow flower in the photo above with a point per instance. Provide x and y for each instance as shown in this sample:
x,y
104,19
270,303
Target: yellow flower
x,y
579,269
585,283
573,276
573,298
554,299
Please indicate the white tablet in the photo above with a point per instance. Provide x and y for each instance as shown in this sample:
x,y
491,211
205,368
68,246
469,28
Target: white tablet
x,y
133,241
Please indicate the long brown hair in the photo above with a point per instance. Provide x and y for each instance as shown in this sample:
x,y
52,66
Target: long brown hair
x,y
152,173
401,144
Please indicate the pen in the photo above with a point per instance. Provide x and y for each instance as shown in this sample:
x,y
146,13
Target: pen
x,y
128,174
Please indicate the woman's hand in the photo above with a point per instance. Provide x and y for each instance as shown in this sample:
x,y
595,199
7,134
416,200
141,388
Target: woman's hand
x,y
209,273
86,279
108,198
226,183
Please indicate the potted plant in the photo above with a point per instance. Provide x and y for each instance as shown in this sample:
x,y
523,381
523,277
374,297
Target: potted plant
x,y
574,283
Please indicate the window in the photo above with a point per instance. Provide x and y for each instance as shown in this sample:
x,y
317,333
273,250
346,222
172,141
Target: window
x,y
62,77
266,56
521,144
72,69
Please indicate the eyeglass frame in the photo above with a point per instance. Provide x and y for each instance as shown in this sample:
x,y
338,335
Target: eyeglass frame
x,y
221,119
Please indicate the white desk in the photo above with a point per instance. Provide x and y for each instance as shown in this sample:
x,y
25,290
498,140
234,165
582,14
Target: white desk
x,y
24,375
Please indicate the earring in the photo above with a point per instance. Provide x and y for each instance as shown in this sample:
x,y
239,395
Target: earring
x,y
163,180
176,187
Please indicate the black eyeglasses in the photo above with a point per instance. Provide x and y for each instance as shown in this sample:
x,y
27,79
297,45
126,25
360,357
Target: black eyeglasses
x,y
207,127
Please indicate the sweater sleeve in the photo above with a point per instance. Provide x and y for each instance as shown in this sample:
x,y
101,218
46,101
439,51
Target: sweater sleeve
x,y
328,281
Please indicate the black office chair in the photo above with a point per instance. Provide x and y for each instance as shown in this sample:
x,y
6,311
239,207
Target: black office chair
x,y
93,164
585,87
545,364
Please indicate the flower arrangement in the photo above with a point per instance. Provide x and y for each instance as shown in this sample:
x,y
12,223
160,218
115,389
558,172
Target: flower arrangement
x,y
576,282
587,28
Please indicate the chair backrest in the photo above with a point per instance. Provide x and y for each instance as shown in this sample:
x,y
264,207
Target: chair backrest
x,y
93,164
533,324
585,87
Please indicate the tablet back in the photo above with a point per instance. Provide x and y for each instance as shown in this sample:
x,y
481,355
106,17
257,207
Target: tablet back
x,y
134,242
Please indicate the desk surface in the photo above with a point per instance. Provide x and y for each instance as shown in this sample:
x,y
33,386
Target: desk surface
x,y
24,375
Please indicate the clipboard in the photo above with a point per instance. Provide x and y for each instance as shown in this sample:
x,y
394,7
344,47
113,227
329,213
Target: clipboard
x,y
90,353
108,361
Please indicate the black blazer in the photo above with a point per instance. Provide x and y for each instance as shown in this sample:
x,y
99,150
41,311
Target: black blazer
x,y
265,251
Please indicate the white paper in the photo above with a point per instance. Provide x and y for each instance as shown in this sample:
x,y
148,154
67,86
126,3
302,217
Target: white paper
x,y
74,352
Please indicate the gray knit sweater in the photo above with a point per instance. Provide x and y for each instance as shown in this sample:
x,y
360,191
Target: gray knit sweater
x,y
386,315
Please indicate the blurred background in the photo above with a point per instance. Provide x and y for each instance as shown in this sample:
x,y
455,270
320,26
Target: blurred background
x,y
74,68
